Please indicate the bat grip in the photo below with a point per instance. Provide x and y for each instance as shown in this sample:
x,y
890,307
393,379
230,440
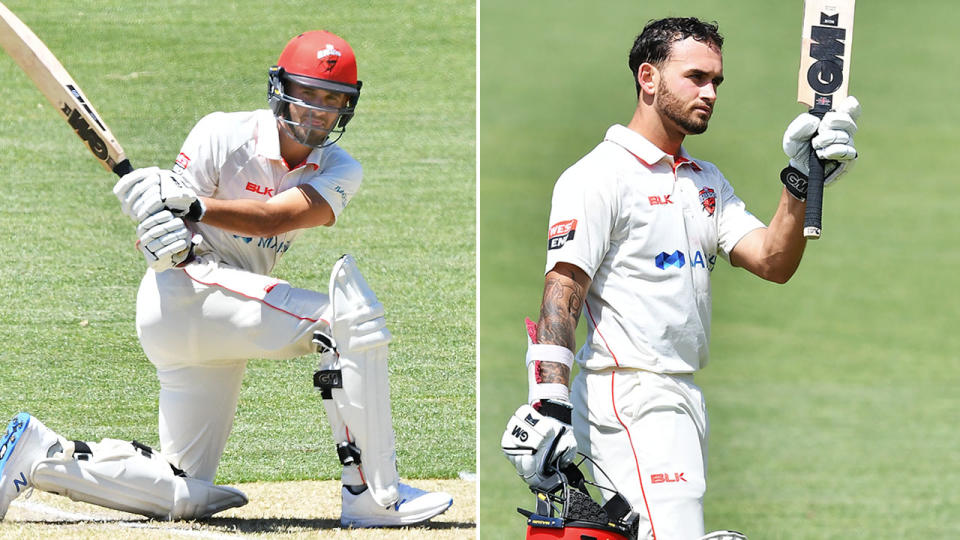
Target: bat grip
x,y
122,168
813,216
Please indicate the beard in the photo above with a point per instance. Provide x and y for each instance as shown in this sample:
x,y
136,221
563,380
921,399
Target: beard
x,y
669,105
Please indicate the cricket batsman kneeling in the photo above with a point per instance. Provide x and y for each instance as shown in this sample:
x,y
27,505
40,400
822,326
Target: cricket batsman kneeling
x,y
246,183
636,227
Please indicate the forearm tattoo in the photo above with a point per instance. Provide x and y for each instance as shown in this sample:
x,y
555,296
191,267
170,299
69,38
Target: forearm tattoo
x,y
559,313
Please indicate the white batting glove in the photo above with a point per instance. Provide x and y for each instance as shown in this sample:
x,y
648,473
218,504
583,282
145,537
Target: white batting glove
x,y
132,185
538,445
164,241
159,190
831,137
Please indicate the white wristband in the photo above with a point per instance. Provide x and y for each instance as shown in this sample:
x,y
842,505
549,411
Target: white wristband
x,y
539,352
549,353
554,391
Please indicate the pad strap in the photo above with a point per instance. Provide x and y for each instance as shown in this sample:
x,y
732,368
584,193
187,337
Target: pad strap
x,y
348,453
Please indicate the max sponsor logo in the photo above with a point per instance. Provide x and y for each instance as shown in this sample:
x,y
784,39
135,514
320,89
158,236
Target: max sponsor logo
x,y
667,478
275,244
678,259
560,233
272,242
259,190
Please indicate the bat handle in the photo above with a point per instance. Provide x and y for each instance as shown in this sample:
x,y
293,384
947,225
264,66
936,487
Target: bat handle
x,y
813,217
122,168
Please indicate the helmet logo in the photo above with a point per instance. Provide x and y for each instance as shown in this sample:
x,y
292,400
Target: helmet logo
x,y
328,57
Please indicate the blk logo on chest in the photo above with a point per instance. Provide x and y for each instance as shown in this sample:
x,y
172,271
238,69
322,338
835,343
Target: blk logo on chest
x,y
659,199
259,190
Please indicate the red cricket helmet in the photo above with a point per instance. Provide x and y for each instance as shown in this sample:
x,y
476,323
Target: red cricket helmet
x,y
316,59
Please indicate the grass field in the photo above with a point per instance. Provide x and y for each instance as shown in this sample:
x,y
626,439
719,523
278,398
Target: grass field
x,y
70,354
832,397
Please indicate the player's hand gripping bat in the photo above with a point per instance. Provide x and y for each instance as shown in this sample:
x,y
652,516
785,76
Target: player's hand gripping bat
x,y
823,81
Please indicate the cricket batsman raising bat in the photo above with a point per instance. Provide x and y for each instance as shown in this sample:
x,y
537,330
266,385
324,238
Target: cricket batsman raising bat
x,y
250,182
636,228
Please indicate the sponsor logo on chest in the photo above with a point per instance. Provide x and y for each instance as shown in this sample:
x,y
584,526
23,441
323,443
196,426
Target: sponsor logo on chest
x,y
259,190
659,199
679,259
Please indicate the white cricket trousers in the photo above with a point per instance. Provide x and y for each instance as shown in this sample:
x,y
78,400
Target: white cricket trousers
x,y
198,325
648,432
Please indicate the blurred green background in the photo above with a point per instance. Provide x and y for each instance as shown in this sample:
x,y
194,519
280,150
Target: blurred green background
x,y
833,398
70,354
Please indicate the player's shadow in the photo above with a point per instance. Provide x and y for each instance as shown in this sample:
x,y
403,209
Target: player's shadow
x,y
259,525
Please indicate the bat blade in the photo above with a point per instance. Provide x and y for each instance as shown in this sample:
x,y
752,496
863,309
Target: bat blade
x,y
56,84
824,78
825,52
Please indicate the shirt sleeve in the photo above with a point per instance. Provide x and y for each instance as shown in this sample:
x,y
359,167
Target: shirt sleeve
x,y
582,215
338,181
202,156
735,220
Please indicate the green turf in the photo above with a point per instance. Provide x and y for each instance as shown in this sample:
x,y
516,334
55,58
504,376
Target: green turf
x,y
831,398
152,69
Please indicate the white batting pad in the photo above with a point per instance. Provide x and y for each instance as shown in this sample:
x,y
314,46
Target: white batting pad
x,y
118,475
362,403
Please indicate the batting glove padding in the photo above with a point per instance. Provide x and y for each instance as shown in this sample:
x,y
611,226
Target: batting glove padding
x,y
145,192
831,137
538,445
164,240
132,185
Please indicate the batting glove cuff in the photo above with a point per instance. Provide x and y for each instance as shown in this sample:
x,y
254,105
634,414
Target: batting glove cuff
x,y
561,410
795,181
196,211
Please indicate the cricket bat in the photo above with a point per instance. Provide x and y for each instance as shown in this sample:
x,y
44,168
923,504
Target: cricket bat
x,y
823,80
53,81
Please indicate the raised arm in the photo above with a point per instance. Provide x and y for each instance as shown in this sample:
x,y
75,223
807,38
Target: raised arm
x,y
774,253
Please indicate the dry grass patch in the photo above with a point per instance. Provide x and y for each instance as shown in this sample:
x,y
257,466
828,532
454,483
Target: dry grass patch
x,y
288,510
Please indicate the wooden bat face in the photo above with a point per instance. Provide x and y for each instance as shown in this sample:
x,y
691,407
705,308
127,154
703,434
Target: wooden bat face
x,y
53,81
825,52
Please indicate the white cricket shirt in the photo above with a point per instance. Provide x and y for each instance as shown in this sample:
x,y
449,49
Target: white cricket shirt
x,y
647,227
237,156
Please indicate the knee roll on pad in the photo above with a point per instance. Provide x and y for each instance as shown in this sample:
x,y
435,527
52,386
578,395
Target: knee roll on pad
x,y
357,400
132,478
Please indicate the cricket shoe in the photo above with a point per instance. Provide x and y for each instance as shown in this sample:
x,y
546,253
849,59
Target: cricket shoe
x,y
413,506
26,441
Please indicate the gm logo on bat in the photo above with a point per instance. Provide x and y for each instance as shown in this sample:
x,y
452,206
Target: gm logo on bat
x,y
678,259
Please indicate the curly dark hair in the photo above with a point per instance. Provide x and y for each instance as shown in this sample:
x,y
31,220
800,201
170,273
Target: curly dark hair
x,y
653,45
